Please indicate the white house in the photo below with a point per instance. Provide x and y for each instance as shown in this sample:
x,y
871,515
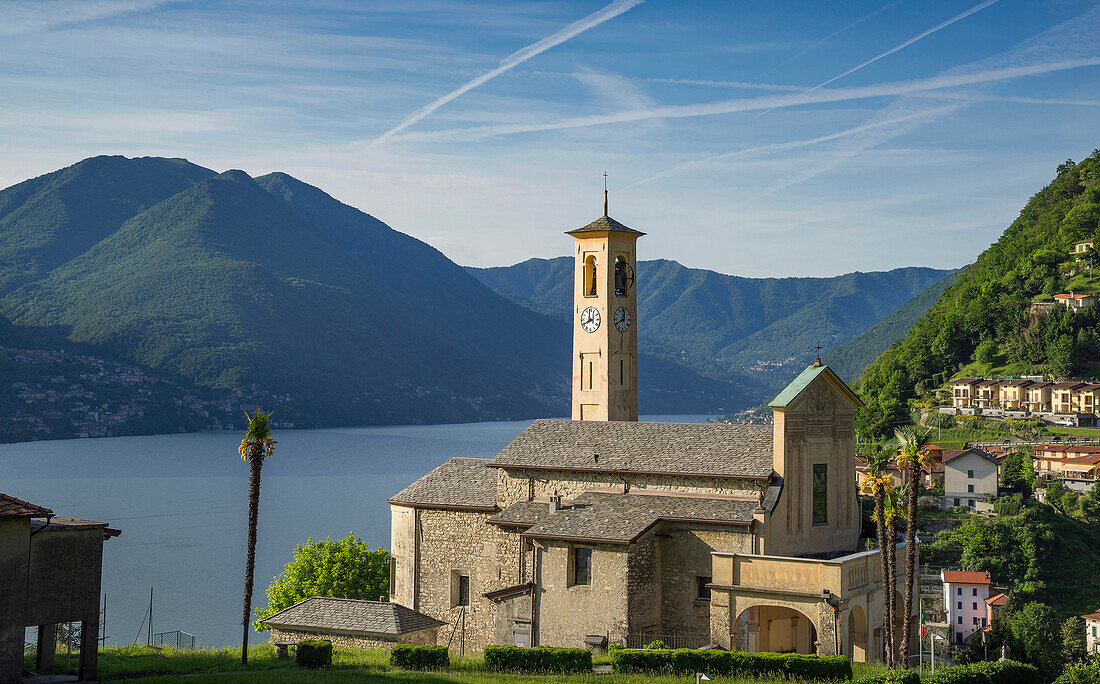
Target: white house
x,y
964,596
970,479
1092,633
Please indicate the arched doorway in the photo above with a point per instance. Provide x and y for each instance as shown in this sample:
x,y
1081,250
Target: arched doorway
x,y
776,629
857,634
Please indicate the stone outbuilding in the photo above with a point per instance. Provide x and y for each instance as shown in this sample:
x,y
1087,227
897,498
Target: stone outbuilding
x,y
50,573
352,623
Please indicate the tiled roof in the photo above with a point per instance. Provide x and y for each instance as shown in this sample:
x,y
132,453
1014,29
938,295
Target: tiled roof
x,y
1016,382
1072,296
604,224
964,381
622,518
951,454
707,449
1092,616
998,600
352,616
965,577
522,514
11,507
989,383
1041,384
464,483
1070,384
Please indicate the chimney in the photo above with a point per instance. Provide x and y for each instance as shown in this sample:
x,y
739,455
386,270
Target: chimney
x,y
555,502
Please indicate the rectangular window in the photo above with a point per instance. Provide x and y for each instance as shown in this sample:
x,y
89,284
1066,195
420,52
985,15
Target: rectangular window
x,y
960,605
960,619
393,575
970,474
959,591
702,591
974,591
1094,630
973,606
969,489
957,503
975,620
582,566
820,493
463,590
970,502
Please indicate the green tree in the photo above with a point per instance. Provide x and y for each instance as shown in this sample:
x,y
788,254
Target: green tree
x,y
986,353
913,457
1090,503
347,568
1061,356
1073,640
1014,476
256,446
1070,502
878,477
1055,491
1036,637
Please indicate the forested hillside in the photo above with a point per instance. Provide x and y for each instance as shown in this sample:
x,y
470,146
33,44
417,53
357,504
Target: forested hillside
x,y
723,326
984,317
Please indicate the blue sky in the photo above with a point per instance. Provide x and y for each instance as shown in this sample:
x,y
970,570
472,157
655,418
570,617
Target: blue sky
x,y
485,128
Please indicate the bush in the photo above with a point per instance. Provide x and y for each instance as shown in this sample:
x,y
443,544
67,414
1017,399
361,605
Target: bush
x,y
538,659
656,645
1087,672
409,657
1008,672
891,677
732,664
314,653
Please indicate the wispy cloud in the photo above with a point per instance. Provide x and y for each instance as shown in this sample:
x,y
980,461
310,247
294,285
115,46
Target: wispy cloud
x,y
515,59
818,43
31,17
825,95
900,46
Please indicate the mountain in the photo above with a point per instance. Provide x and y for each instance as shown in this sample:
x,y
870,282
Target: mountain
x,y
722,326
231,282
850,358
984,322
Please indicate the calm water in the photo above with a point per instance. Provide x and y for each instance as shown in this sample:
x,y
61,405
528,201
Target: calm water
x,y
181,502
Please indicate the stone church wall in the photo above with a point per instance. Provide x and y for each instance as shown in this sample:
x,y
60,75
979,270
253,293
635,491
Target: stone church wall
x,y
515,485
566,614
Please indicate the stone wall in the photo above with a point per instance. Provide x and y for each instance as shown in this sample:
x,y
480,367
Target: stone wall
x,y
643,585
420,638
403,556
566,614
519,485
14,543
684,556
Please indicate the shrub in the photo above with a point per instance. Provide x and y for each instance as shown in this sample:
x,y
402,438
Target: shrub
x,y
538,659
1087,672
732,664
409,657
1008,672
314,653
891,677
656,645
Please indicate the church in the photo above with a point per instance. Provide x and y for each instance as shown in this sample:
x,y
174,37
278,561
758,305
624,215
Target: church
x,y
602,529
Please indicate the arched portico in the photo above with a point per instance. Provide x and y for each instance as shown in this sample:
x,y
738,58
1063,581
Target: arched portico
x,y
792,624
857,634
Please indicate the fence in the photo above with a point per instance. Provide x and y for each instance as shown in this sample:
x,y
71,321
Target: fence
x,y
178,640
669,640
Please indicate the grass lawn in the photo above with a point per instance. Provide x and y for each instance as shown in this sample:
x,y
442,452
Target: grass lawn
x,y
149,664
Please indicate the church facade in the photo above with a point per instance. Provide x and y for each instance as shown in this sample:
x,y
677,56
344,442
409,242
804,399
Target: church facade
x,y
604,529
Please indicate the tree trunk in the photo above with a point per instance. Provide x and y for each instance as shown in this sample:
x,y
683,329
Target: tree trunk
x,y
892,586
910,553
881,525
256,461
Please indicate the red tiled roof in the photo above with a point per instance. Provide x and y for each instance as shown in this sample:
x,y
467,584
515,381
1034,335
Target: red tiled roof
x,y
952,454
11,507
966,577
1072,296
1092,616
996,601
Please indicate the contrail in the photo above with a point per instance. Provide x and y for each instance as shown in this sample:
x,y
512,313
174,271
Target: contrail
x,y
826,95
900,46
792,145
839,31
515,59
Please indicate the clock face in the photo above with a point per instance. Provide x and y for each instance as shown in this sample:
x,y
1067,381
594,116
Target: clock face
x,y
590,319
622,319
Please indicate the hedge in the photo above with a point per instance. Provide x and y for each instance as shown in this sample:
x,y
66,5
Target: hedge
x,y
1007,672
409,657
891,677
1082,673
732,663
314,653
537,659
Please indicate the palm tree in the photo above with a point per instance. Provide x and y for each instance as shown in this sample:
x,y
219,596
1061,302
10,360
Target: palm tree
x,y
879,481
256,446
892,510
913,456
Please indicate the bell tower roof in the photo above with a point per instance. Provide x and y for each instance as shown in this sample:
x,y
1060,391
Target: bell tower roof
x,y
604,224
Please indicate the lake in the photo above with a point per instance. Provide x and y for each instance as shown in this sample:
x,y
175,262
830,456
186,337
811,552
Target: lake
x,y
181,502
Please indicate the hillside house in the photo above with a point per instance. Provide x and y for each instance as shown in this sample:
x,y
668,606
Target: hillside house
x,y
964,596
970,479
929,478
963,392
1068,461
605,528
994,605
1012,394
1038,396
986,393
1092,633
50,572
1081,248
1075,301
1061,395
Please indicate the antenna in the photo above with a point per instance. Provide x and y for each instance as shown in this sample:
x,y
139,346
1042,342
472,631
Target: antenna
x,y
605,193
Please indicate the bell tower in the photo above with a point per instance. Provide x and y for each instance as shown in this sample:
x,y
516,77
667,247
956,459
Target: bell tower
x,y
605,320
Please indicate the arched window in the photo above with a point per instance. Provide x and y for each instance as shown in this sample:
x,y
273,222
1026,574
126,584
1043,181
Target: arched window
x,y
590,276
624,276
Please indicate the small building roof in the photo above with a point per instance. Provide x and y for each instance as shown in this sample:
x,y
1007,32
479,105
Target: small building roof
x,y
1016,382
1069,384
351,616
1084,242
997,600
1092,616
602,225
1040,384
11,507
965,381
623,518
988,383
1072,295
459,483
804,379
687,449
965,577
951,454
